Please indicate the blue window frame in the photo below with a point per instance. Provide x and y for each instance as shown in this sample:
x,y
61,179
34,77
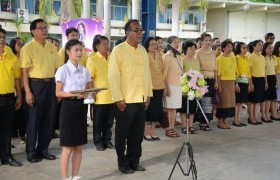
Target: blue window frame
x,y
93,6
193,16
32,6
9,5
118,9
56,7
166,16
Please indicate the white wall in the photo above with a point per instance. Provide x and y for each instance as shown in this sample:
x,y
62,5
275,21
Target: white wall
x,y
273,24
244,26
216,22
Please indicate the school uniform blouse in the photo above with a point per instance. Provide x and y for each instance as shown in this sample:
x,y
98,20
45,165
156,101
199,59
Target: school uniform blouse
x,y
243,66
227,67
270,65
277,58
257,63
73,78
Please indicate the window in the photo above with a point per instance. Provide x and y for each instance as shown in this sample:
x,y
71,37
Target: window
x,y
56,6
32,6
193,16
114,41
92,7
166,17
118,9
9,5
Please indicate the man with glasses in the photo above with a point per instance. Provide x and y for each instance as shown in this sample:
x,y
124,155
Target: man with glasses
x,y
9,82
131,86
39,60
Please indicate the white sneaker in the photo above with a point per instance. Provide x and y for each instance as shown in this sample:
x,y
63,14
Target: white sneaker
x,y
76,178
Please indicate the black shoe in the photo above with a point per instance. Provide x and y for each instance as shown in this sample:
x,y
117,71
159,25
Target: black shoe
x,y
253,123
137,167
11,162
55,135
99,147
109,145
265,121
237,125
126,169
33,158
274,119
148,139
46,155
155,138
242,124
259,123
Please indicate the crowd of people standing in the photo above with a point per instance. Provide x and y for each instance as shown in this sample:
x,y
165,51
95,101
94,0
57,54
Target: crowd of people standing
x,y
143,89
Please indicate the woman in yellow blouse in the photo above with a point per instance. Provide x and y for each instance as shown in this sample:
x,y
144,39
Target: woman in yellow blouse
x,y
258,81
189,62
243,81
227,71
154,112
272,83
276,55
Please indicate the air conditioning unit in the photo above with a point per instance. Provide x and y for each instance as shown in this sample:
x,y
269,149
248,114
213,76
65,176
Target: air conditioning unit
x,y
22,15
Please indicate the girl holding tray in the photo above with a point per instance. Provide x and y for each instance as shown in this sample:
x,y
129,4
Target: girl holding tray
x,y
73,117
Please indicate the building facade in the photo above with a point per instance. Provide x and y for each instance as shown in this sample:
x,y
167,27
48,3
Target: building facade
x,y
238,20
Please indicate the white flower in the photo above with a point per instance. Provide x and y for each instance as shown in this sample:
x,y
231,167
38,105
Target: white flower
x,y
191,95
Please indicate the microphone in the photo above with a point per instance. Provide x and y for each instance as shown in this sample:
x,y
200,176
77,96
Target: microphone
x,y
175,51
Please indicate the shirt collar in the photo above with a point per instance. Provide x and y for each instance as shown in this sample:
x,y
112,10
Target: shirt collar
x,y
100,56
72,68
36,42
131,47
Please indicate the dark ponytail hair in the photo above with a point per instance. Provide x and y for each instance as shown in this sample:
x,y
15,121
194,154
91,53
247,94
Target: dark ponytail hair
x,y
237,50
69,45
276,49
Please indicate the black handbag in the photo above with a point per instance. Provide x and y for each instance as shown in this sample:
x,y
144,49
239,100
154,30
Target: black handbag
x,y
216,99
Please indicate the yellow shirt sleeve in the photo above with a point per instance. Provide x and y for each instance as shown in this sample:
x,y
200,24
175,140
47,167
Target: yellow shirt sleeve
x,y
25,58
91,67
83,60
114,75
17,69
219,59
61,55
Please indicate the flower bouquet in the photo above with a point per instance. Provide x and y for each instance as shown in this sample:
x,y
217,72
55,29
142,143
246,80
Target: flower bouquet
x,y
193,85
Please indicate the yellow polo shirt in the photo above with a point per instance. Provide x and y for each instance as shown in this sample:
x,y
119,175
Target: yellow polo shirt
x,y
42,60
243,66
270,65
277,58
9,70
129,74
98,70
257,64
82,62
91,54
227,67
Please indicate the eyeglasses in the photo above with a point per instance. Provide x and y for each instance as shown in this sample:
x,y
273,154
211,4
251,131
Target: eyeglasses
x,y
2,37
138,31
42,28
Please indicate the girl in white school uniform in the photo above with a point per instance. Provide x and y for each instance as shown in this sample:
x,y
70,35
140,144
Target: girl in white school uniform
x,y
73,117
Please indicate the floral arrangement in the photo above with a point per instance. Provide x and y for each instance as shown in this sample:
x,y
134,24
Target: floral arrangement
x,y
193,85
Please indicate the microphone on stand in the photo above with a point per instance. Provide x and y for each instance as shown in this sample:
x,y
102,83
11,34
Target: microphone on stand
x,y
175,51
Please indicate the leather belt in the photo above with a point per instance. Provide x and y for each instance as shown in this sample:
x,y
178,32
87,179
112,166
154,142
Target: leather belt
x,y
42,79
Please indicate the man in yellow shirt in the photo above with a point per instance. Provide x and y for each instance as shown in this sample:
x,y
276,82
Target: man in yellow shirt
x,y
9,81
131,87
39,61
103,107
72,33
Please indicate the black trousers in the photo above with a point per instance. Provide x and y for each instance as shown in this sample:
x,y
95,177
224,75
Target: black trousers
x,y
19,125
130,128
40,117
7,115
103,122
